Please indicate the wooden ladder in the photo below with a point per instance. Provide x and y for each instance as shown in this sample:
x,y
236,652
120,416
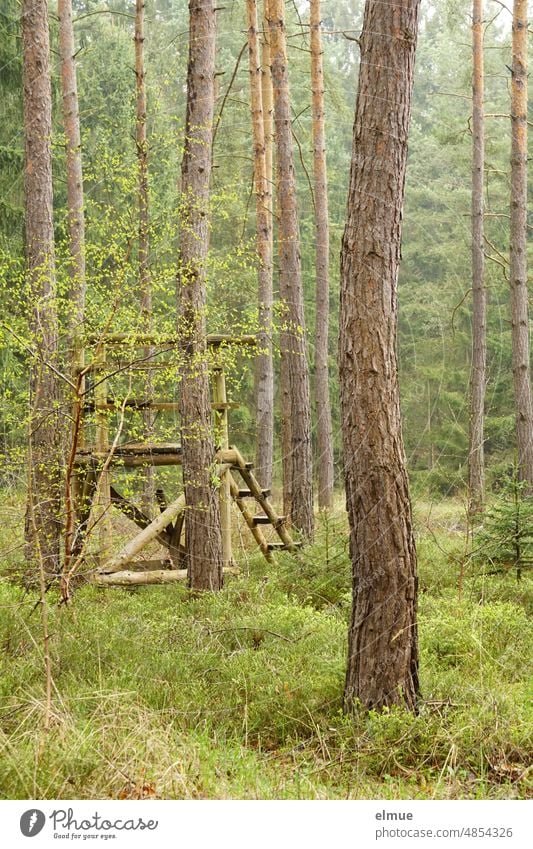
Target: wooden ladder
x,y
269,515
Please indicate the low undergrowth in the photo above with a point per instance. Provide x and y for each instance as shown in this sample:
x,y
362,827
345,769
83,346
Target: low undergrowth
x,y
158,693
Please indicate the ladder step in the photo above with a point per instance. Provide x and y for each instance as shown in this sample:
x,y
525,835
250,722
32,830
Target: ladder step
x,y
264,520
280,546
247,493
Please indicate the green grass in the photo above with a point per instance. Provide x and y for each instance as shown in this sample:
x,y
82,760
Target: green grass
x,y
239,695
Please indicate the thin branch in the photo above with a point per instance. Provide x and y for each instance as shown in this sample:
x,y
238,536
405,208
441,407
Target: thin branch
x,y
296,139
226,95
457,306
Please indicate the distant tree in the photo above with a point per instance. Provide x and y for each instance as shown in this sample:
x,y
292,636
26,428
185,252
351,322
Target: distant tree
x,y
264,370
476,463
204,541
144,233
323,407
76,216
42,520
382,650
518,253
295,398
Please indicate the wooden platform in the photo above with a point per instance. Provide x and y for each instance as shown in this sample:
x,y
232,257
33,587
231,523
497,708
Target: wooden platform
x,y
97,458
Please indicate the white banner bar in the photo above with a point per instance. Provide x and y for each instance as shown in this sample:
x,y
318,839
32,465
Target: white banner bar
x,y
254,824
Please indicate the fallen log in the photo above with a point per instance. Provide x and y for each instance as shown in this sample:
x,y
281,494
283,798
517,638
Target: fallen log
x,y
128,578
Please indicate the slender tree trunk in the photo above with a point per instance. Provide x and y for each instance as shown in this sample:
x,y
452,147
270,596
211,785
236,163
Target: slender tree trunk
x,y
476,464
382,652
76,217
296,416
268,122
519,290
324,431
42,525
264,372
204,541
76,226
144,237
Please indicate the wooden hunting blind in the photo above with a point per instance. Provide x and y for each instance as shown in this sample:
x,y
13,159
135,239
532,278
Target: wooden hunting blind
x,y
104,452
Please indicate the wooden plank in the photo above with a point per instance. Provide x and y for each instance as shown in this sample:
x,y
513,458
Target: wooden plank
x,y
130,460
266,520
247,493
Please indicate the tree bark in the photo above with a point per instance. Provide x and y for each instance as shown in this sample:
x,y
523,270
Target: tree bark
x,y
296,416
476,464
324,433
76,217
144,235
518,253
43,522
204,542
382,652
264,371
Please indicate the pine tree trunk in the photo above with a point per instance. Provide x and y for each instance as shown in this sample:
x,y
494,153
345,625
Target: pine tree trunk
x,y
144,236
76,217
382,653
296,416
518,257
204,541
268,118
324,434
476,464
264,372
42,519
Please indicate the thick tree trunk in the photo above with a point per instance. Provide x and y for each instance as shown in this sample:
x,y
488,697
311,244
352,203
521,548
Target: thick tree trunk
x,y
324,434
476,464
76,218
204,542
264,372
144,236
382,654
43,523
296,416
519,290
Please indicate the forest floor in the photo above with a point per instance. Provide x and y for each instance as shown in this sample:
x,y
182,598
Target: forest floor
x,y
160,694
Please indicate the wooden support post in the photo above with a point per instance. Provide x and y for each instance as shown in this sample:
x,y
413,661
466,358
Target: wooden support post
x,y
151,532
83,504
103,497
222,437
